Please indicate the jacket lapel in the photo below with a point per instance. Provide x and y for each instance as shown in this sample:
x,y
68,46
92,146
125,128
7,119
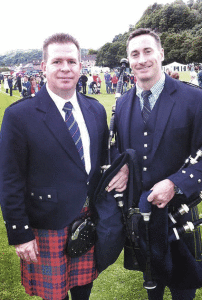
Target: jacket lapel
x,y
55,123
127,119
166,105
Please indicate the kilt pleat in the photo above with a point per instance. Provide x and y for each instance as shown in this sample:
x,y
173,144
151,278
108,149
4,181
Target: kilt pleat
x,y
55,272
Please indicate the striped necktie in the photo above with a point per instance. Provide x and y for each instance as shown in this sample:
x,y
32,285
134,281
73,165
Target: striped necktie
x,y
146,105
73,128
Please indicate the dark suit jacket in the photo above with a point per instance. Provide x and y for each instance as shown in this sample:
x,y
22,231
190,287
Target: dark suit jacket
x,y
177,134
43,181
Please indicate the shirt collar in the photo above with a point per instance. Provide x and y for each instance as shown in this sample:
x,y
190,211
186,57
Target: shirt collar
x,y
60,102
156,89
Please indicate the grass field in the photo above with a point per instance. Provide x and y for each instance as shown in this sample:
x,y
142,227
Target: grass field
x,y
115,283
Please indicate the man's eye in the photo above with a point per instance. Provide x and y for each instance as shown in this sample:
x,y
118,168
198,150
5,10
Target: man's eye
x,y
148,51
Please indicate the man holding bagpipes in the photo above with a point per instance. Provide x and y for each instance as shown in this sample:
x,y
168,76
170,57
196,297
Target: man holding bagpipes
x,y
161,119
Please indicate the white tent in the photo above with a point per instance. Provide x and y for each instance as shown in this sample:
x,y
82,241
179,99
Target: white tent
x,y
175,66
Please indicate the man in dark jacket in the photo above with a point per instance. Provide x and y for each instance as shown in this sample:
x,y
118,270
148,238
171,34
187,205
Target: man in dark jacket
x,y
19,83
84,80
161,119
26,87
46,180
10,84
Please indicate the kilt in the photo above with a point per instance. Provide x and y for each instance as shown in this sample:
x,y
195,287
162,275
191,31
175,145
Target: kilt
x,y
56,272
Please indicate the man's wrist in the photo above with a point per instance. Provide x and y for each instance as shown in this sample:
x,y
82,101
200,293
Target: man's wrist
x,y
177,189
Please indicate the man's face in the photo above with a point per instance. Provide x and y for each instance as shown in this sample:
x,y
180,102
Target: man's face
x,y
62,69
145,59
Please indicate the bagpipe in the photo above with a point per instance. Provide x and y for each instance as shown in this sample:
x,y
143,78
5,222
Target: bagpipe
x,y
164,243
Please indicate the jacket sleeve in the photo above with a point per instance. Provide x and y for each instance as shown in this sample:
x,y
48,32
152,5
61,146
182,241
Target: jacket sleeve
x,y
189,179
13,169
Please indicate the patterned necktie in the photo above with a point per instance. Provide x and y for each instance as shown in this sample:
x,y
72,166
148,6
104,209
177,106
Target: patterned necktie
x,y
146,105
73,127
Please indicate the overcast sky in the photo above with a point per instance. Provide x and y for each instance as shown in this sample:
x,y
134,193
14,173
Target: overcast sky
x,y
25,24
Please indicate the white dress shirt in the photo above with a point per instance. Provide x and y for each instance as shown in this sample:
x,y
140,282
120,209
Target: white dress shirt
x,y
60,102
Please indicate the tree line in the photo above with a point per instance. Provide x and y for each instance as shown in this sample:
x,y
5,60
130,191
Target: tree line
x,y
179,26
20,57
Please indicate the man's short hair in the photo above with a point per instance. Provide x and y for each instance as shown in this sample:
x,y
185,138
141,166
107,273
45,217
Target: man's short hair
x,y
144,31
59,38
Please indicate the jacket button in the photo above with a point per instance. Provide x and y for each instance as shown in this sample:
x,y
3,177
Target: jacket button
x,y
144,169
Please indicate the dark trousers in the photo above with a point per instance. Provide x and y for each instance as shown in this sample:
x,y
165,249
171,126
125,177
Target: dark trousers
x,y
80,292
157,293
11,92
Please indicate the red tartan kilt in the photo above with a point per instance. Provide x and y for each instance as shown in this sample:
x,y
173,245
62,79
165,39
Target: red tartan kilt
x,y
56,272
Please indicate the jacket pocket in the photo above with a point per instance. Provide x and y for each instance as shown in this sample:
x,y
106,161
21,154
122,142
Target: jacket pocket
x,y
43,194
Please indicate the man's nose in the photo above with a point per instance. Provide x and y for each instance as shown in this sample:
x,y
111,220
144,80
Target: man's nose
x,y
65,66
142,58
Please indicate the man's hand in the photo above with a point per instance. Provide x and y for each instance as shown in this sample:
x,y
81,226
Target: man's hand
x,y
119,181
162,193
28,251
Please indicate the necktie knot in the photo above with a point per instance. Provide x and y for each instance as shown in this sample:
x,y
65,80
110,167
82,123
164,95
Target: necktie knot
x,y
146,94
68,106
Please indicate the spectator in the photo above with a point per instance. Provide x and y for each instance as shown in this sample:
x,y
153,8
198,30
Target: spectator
x,y
99,80
95,78
175,75
26,87
35,87
6,87
125,82
194,78
200,78
10,84
19,83
114,82
84,80
108,83
90,80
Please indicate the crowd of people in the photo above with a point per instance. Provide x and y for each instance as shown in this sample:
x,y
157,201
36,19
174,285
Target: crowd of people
x,y
195,74
87,83
26,85
92,83
112,80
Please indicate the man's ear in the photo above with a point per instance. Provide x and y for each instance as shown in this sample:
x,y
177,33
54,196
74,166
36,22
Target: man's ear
x,y
43,67
162,54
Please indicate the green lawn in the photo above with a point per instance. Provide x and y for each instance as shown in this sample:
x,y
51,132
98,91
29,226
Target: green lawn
x,y
115,283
